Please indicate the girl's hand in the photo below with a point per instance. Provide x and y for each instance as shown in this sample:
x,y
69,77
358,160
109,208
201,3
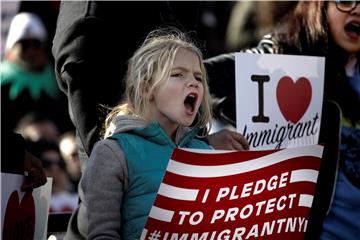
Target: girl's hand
x,y
228,140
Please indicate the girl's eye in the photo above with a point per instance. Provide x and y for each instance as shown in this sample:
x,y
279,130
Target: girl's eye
x,y
198,79
176,75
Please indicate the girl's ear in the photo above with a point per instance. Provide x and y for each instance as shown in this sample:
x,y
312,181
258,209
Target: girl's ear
x,y
146,91
151,96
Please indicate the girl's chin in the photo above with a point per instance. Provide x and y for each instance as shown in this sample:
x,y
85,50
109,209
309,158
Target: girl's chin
x,y
188,122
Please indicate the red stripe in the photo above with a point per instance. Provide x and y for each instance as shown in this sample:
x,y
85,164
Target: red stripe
x,y
217,159
194,182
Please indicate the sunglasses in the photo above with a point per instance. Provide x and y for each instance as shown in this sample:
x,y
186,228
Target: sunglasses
x,y
345,6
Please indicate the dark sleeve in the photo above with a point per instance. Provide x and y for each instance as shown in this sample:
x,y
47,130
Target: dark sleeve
x,y
86,66
330,137
13,153
221,76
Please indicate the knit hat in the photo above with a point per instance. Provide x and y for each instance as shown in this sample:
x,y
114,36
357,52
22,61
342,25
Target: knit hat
x,y
24,26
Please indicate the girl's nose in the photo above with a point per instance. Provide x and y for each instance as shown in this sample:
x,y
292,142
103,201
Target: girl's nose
x,y
193,83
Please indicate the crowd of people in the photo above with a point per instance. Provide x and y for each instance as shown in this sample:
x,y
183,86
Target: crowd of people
x,y
154,79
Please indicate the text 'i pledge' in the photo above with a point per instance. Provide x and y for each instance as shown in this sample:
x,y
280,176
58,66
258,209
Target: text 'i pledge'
x,y
248,189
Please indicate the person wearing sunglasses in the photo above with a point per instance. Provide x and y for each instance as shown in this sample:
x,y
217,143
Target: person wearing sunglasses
x,y
318,28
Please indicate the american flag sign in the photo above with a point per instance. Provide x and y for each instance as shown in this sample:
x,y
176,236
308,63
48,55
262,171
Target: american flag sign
x,y
208,195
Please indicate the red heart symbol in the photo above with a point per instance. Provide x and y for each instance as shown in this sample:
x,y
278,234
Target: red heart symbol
x,y
293,97
19,220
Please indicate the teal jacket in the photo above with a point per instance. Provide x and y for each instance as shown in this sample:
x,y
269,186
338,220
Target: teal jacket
x,y
147,151
123,175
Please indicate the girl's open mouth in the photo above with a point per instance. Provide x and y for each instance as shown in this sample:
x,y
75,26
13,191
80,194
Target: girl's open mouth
x,y
190,102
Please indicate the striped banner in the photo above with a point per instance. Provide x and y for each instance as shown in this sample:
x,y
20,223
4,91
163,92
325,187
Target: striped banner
x,y
235,195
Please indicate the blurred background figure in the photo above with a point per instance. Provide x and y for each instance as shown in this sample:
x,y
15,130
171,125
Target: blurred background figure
x,y
36,125
250,20
62,200
27,75
25,43
70,155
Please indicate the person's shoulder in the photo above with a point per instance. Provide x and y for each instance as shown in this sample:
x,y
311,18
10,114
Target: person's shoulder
x,y
108,152
106,145
107,148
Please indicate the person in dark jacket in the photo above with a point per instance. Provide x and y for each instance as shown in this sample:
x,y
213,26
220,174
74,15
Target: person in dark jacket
x,y
317,28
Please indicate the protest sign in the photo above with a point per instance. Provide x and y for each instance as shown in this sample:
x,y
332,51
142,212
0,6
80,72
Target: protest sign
x,y
24,215
279,99
211,194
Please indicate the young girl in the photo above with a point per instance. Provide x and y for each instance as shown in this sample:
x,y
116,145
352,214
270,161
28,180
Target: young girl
x,y
166,103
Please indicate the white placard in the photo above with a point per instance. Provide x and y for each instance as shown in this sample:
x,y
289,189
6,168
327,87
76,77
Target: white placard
x,y
279,99
19,207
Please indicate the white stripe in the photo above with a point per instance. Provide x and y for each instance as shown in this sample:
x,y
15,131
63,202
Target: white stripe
x,y
177,193
208,151
304,175
305,200
161,214
237,168
143,234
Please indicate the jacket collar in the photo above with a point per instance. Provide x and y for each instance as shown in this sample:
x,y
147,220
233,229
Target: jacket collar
x,y
153,131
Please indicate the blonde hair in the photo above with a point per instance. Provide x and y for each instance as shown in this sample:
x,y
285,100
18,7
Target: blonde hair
x,y
149,68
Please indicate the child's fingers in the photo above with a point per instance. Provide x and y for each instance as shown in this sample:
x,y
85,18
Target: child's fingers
x,y
240,140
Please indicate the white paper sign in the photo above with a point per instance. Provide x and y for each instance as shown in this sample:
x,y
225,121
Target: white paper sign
x,y
279,99
23,214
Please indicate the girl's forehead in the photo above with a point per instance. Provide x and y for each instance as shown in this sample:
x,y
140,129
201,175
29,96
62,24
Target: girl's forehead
x,y
189,54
